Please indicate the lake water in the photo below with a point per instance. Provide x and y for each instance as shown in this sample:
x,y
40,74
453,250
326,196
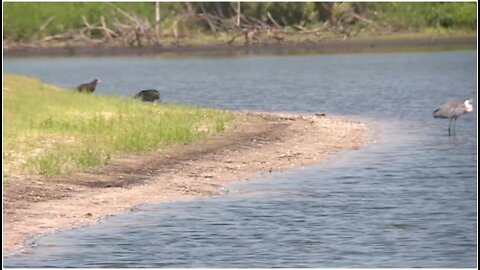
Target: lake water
x,y
408,199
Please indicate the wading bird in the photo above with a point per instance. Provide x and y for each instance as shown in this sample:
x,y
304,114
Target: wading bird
x,y
453,109
88,87
148,95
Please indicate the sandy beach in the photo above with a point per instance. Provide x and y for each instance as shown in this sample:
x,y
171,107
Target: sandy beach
x,y
262,143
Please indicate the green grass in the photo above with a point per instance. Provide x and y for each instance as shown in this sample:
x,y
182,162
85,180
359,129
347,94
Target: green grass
x,y
52,131
420,15
62,16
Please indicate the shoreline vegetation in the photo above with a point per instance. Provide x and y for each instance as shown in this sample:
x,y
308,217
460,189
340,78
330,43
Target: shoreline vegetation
x,y
231,146
54,131
377,44
80,29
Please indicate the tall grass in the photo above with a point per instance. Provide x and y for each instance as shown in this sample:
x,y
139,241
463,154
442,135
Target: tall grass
x,y
420,15
24,20
53,131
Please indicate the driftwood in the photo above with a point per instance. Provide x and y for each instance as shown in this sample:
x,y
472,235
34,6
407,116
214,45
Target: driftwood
x,y
208,18
133,32
273,20
128,29
299,27
42,27
46,23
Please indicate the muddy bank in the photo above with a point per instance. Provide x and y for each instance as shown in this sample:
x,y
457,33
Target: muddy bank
x,y
263,143
348,45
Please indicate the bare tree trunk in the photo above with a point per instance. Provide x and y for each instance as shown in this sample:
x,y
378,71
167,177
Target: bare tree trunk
x,y
219,10
157,22
238,14
157,16
190,8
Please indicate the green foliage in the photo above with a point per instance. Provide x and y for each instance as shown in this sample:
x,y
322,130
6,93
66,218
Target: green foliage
x,y
25,21
53,131
427,14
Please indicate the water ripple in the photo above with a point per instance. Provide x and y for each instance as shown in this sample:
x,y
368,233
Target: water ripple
x,y
407,200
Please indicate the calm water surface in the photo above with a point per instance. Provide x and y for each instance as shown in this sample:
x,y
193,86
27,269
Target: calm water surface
x,y
409,199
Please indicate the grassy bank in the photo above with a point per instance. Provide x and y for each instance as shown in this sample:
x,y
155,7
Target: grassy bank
x,y
54,131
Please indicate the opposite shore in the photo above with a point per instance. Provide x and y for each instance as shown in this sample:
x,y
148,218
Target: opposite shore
x,y
380,43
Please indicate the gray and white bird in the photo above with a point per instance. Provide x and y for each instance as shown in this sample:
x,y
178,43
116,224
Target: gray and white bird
x,y
453,109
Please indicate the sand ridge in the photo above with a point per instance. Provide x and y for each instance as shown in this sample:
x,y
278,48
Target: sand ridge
x,y
262,143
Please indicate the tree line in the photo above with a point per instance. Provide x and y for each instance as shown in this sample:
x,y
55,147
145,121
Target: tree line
x,y
147,23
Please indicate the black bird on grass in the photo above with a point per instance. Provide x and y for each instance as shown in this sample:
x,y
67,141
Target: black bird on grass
x,y
150,95
88,87
453,109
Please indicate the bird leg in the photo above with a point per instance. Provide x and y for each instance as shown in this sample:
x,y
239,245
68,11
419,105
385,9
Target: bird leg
x,y
449,126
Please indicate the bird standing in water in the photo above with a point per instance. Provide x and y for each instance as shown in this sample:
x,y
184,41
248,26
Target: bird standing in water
x,y
453,109
88,87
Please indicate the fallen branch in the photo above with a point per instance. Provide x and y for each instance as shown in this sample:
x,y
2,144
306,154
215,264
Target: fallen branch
x,y
109,33
324,27
124,13
273,20
205,16
46,23
261,23
362,18
299,27
85,22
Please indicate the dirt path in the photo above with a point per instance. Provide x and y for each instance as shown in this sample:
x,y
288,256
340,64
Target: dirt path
x,y
263,143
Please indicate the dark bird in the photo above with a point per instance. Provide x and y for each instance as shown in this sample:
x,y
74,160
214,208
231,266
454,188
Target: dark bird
x,y
88,87
453,109
150,95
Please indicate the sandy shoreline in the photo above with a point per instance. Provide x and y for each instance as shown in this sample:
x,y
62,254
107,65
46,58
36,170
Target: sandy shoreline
x,y
263,142
320,46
